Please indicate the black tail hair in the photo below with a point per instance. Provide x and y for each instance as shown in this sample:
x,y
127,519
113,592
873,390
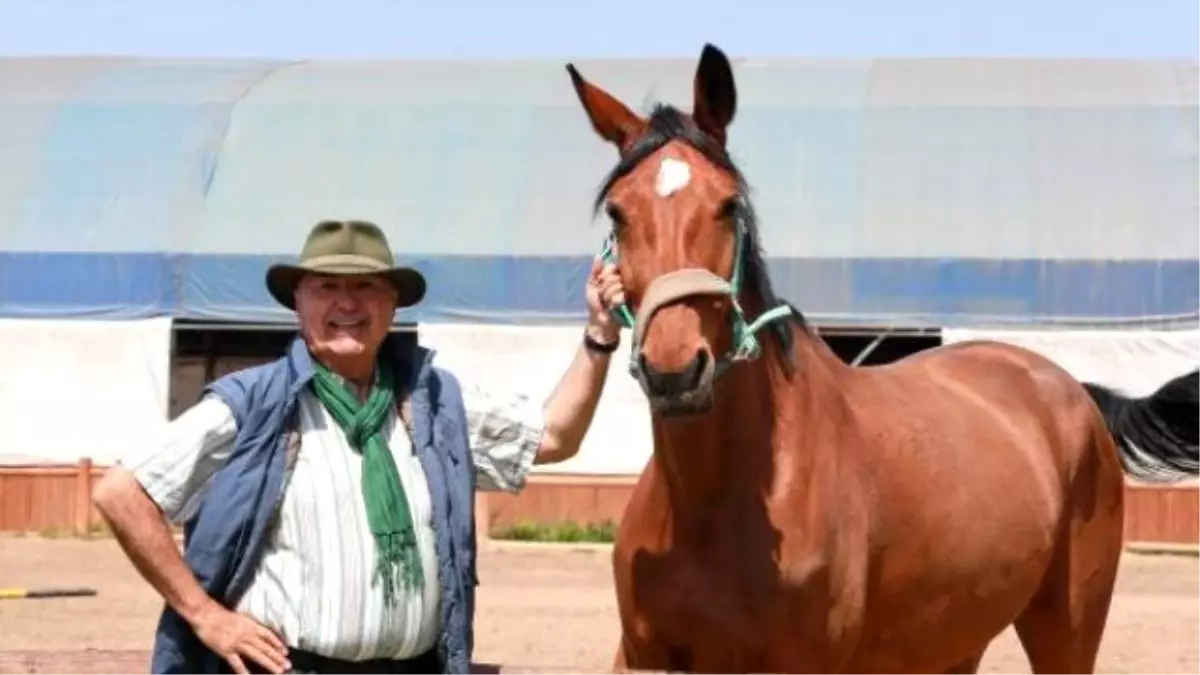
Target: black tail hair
x,y
1156,435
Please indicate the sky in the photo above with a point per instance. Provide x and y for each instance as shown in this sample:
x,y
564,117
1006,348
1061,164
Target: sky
x,y
398,29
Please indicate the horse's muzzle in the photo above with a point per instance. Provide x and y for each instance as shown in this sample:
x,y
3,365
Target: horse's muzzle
x,y
685,392
690,390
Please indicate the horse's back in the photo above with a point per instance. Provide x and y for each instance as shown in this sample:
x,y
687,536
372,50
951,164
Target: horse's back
x,y
979,419
1019,389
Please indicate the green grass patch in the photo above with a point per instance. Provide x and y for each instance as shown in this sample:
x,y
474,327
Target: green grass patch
x,y
558,533
97,530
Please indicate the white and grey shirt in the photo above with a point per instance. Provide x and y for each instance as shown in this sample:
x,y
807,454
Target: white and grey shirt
x,y
313,586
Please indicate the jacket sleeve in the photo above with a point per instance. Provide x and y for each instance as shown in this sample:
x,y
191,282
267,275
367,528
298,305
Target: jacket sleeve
x,y
505,432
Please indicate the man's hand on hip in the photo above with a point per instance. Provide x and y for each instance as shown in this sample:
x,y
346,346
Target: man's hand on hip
x,y
235,637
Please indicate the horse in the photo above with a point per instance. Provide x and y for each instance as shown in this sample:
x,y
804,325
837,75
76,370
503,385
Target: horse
x,y
801,514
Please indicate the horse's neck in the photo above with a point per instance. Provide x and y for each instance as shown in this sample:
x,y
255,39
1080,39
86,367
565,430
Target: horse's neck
x,y
730,451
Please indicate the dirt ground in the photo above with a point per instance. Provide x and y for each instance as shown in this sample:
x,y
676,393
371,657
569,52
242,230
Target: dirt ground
x,y
539,610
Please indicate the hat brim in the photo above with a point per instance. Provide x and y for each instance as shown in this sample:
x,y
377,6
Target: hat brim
x,y
282,280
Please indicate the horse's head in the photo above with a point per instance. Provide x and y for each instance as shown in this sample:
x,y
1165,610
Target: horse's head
x,y
684,231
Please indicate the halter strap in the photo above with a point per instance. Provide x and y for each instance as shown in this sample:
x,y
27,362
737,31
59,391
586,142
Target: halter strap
x,y
693,281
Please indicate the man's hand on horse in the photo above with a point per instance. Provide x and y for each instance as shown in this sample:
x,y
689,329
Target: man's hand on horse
x,y
235,637
604,293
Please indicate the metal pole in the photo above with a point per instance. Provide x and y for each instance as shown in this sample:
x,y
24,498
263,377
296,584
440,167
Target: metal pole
x,y
23,593
870,348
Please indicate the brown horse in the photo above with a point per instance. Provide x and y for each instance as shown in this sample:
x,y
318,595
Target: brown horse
x,y
802,515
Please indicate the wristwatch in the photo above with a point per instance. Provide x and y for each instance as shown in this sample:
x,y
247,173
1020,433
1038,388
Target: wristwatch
x,y
596,346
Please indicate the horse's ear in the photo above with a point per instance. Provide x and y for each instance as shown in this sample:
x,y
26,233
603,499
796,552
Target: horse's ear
x,y
615,123
715,95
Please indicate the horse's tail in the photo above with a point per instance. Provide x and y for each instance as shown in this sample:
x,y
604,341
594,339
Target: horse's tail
x,y
1156,435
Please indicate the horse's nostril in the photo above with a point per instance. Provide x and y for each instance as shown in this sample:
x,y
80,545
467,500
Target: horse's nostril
x,y
659,383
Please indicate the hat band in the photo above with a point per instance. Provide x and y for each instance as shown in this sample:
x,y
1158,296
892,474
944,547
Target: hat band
x,y
344,264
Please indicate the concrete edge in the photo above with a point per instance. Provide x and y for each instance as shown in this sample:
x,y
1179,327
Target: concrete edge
x,y
137,660
1139,548
1163,548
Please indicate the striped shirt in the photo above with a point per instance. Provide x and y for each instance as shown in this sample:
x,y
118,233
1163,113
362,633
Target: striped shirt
x,y
313,586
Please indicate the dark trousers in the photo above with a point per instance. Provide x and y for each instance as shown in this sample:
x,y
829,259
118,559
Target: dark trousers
x,y
307,662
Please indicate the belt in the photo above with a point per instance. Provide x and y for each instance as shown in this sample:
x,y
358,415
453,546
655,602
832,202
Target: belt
x,y
308,662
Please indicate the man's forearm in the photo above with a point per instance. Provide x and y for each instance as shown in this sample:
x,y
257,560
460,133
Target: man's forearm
x,y
145,537
570,408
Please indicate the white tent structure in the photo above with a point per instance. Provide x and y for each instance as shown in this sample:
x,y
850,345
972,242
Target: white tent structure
x,y
1053,203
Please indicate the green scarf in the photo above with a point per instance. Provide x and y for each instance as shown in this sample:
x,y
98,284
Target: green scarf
x,y
397,559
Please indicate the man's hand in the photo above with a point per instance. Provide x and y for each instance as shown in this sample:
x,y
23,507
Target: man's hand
x,y
604,292
234,636
143,534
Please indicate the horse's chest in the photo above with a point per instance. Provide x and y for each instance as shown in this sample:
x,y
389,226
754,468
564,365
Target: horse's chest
x,y
724,601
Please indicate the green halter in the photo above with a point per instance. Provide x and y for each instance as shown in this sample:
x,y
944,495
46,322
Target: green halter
x,y
746,345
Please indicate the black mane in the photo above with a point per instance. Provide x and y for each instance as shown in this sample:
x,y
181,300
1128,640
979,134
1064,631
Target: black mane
x,y
667,123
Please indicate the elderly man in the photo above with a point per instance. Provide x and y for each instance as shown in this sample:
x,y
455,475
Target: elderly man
x,y
328,495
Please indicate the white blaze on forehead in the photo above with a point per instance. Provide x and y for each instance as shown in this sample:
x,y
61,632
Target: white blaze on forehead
x,y
673,175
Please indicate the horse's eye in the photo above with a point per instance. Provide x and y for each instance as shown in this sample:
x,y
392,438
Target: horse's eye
x,y
615,215
729,209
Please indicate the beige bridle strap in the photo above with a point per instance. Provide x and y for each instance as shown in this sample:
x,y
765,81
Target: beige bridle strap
x,y
675,286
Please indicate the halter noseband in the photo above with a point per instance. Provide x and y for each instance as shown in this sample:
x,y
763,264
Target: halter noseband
x,y
693,281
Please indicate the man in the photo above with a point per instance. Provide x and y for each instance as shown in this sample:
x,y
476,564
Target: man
x,y
328,496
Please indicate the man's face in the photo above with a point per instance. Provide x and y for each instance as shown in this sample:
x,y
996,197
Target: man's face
x,y
344,319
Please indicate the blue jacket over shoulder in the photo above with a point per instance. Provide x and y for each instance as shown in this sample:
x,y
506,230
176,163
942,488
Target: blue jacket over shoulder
x,y
225,538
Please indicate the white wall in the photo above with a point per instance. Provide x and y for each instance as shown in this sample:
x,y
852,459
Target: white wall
x,y
530,361
73,388
70,389
1136,362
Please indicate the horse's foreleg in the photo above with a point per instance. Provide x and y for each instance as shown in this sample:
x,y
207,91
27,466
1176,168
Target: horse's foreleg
x,y
620,665
640,656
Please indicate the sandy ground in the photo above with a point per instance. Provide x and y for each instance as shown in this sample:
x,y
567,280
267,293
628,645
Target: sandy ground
x,y
539,610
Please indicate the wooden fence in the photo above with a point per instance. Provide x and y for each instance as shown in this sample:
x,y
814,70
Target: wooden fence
x,y
45,498
57,498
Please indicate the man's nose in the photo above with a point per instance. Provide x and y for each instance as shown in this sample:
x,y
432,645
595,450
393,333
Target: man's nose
x,y
345,300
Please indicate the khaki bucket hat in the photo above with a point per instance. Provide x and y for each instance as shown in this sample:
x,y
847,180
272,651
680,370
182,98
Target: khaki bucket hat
x,y
345,247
